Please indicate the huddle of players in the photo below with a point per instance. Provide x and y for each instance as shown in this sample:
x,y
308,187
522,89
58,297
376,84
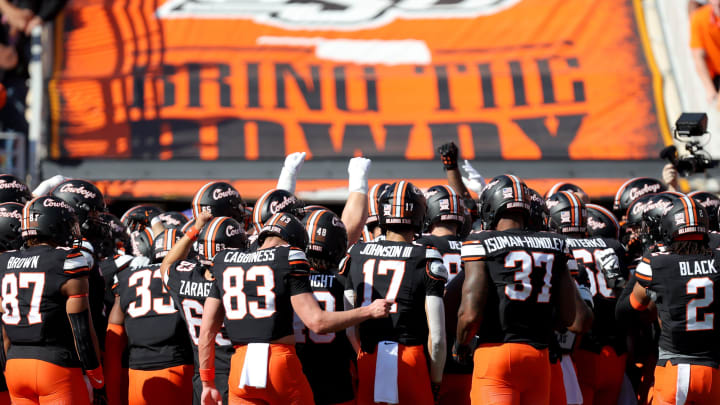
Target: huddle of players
x,y
239,318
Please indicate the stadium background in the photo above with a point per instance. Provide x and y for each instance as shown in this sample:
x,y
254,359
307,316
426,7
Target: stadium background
x,y
150,99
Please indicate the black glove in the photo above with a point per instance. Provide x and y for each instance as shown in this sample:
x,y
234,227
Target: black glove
x,y
99,396
436,392
462,354
449,155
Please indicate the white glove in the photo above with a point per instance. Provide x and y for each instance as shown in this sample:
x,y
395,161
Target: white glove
x,y
474,180
48,184
288,174
607,260
358,175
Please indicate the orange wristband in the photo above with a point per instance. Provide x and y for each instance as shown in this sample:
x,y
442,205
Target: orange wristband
x,y
97,380
192,233
637,305
207,374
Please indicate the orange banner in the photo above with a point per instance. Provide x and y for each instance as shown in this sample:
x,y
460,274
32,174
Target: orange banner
x,y
254,79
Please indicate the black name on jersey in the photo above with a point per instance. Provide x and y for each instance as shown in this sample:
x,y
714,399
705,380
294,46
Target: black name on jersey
x,y
195,289
586,243
455,244
502,242
372,249
321,280
697,267
23,262
257,256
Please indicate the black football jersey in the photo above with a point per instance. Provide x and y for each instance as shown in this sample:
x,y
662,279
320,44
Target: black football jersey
x,y
605,330
402,272
326,358
449,247
34,307
186,282
523,267
156,333
452,299
255,288
683,289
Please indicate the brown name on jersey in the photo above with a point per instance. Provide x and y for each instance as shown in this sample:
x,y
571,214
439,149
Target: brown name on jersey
x,y
23,262
698,267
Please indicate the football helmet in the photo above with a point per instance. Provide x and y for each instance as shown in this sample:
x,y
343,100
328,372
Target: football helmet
x,y
10,219
566,213
13,190
502,193
88,203
219,234
374,213
163,243
633,189
173,219
656,206
50,218
327,236
119,237
287,227
273,202
142,243
685,217
443,204
563,186
538,212
219,198
711,202
139,216
601,222
402,204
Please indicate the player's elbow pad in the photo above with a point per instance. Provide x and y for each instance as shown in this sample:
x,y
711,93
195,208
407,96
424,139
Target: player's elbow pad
x,y
80,323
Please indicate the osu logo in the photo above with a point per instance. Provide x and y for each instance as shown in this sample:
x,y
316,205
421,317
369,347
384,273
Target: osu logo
x,y
330,14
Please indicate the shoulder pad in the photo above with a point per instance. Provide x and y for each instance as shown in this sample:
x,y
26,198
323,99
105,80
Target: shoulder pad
x,y
432,253
139,261
472,248
296,254
643,269
437,269
122,261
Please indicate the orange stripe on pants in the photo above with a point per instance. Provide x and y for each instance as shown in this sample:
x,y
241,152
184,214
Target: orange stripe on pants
x,y
413,377
510,374
701,382
32,381
286,383
600,375
172,385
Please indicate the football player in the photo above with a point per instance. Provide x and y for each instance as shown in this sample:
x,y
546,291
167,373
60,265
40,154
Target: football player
x,y
515,280
189,281
680,281
10,239
327,359
392,363
256,293
46,316
219,199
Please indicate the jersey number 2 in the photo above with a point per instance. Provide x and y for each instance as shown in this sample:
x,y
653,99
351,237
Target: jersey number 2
x,y
522,275
707,323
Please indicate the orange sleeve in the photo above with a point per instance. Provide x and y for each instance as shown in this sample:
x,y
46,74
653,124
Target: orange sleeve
x,y
696,27
116,377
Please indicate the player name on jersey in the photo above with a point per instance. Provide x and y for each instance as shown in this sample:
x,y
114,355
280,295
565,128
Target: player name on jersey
x,y
372,249
322,280
455,244
265,255
23,262
195,289
497,243
693,268
573,243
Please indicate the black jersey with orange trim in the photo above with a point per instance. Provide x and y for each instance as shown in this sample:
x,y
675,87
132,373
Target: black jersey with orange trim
x,y
523,267
605,330
188,286
109,267
34,317
402,272
449,247
156,333
326,358
683,288
255,288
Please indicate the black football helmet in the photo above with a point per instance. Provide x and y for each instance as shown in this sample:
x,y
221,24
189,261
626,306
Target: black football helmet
x,y
163,243
219,234
656,206
287,227
563,186
10,219
50,218
502,193
13,190
273,202
374,210
683,218
142,243
88,203
403,204
443,204
173,219
711,202
219,198
139,216
327,236
633,189
538,212
601,222
566,213
118,233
